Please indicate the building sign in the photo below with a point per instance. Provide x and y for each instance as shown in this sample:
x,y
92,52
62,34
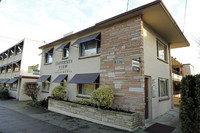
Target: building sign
x,y
136,65
63,66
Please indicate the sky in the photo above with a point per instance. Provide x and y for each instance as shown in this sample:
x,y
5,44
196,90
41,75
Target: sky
x,y
49,20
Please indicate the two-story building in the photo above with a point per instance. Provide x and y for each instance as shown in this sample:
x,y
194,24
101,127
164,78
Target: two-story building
x,y
129,52
19,64
179,71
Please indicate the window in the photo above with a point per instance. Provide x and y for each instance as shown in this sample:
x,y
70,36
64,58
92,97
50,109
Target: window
x,y
5,55
163,87
6,86
1,57
19,48
90,48
11,52
3,70
16,66
9,69
86,89
48,56
66,51
64,83
13,86
162,51
46,85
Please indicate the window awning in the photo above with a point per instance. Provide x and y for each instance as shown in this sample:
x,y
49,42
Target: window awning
x,y
62,46
43,78
60,78
15,61
12,80
85,39
88,78
4,81
46,51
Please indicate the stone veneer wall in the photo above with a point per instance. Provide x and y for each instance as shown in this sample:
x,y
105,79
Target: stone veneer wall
x,y
125,121
120,43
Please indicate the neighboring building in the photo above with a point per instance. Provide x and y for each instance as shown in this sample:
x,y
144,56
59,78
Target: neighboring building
x,y
129,53
179,71
17,66
188,69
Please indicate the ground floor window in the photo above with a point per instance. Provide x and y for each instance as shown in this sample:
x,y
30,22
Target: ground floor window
x,y
13,86
46,85
64,83
6,86
86,89
163,87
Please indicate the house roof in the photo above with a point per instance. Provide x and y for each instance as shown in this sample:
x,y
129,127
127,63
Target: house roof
x,y
154,14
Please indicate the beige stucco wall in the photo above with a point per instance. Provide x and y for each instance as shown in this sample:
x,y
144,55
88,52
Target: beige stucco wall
x,y
29,56
85,65
22,96
156,68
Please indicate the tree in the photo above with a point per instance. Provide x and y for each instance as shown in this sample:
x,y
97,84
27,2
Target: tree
x,y
31,89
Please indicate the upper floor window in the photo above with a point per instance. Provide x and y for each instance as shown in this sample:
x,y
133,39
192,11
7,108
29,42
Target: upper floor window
x,y
1,57
49,56
66,51
5,55
16,66
90,48
3,70
161,50
11,52
163,87
9,68
19,49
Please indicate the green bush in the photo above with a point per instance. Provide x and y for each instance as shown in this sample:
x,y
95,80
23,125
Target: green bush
x,y
83,102
58,93
4,94
102,97
190,104
1,88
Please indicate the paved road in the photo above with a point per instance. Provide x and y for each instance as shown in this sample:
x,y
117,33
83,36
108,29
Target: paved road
x,y
17,116
15,122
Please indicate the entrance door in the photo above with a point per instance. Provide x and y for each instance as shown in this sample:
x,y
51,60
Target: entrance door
x,y
146,98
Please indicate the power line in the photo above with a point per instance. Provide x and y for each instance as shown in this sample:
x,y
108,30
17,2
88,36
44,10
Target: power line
x,y
185,15
9,37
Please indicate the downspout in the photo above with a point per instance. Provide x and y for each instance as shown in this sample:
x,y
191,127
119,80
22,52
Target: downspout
x,y
171,83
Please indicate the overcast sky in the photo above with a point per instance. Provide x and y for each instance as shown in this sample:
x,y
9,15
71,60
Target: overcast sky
x,y
49,20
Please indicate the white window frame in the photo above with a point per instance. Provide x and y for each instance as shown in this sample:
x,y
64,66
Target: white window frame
x,y
165,51
82,87
166,87
97,45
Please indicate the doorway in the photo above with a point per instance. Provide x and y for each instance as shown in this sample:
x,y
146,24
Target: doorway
x,y
147,92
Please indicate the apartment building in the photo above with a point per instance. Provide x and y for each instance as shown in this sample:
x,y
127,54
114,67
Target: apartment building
x,y
129,52
19,64
179,71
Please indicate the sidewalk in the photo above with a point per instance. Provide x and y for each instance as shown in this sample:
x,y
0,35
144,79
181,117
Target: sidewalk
x,y
171,118
75,125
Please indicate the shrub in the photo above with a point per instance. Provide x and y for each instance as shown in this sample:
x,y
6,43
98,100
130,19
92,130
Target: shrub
x,y
4,94
83,102
1,88
58,93
31,89
190,104
102,97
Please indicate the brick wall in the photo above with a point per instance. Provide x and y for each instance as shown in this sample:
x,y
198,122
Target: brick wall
x,y
120,43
